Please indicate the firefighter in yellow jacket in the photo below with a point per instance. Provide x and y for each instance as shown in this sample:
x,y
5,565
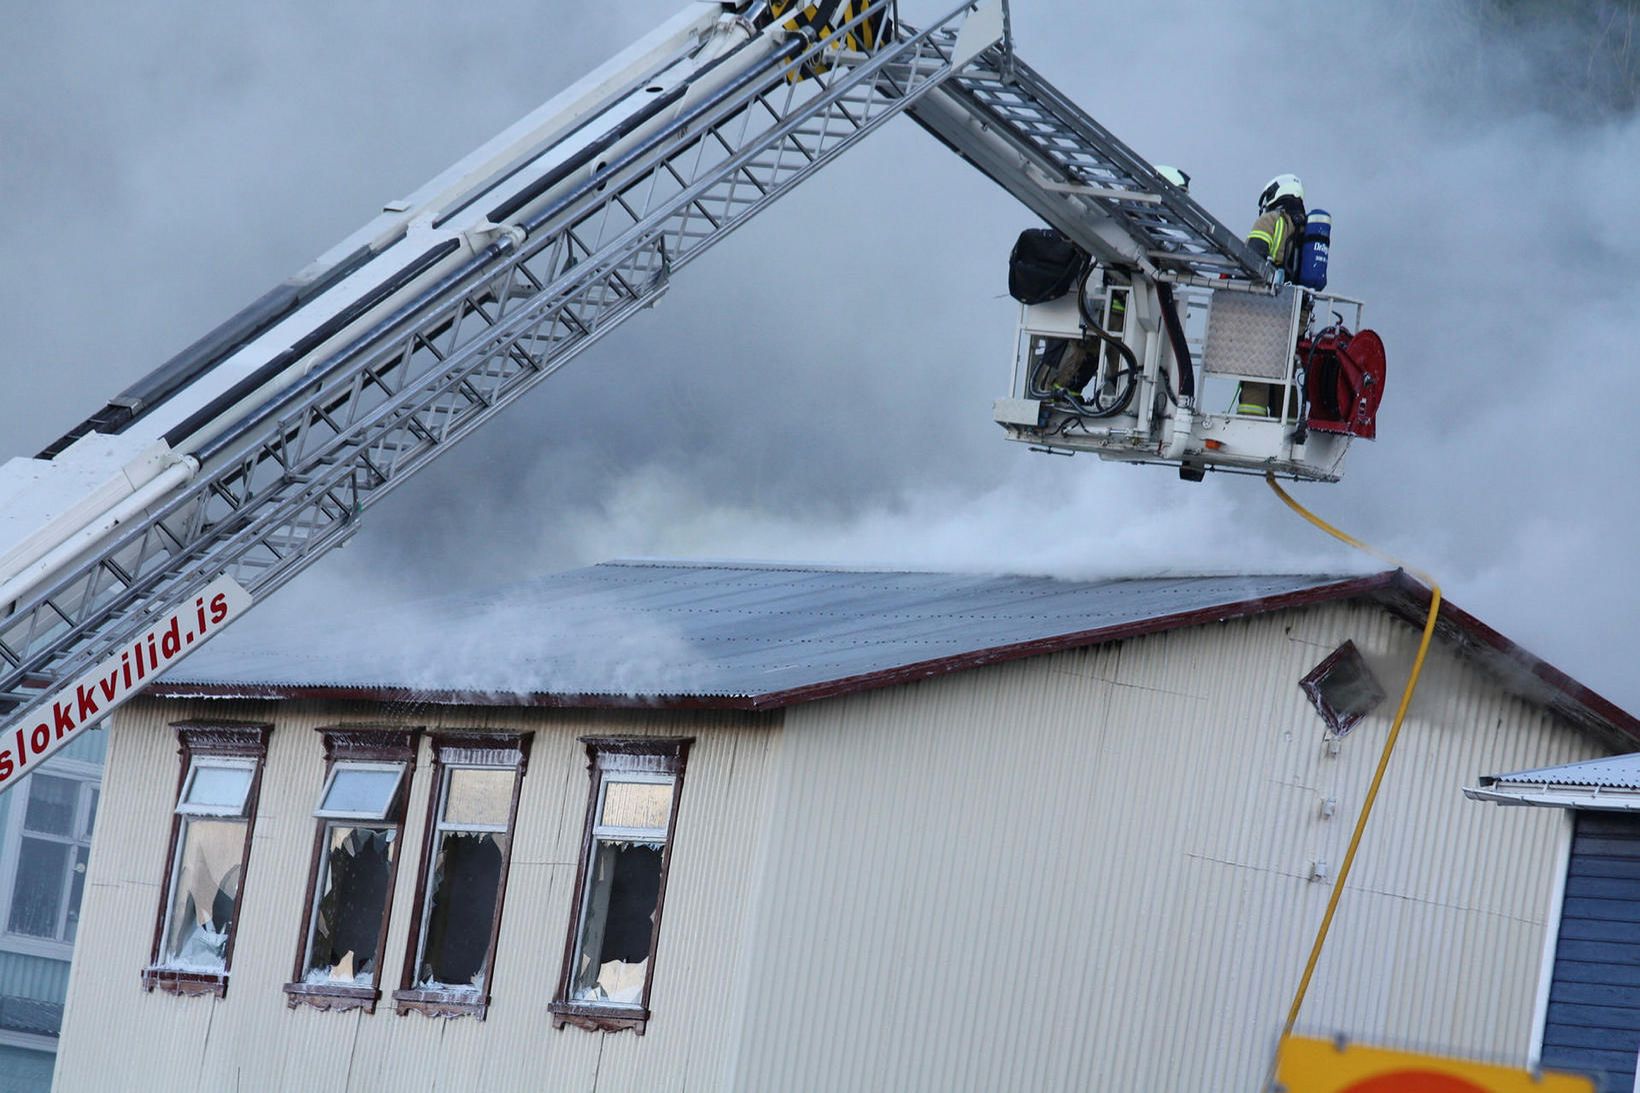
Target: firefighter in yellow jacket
x,y
1274,235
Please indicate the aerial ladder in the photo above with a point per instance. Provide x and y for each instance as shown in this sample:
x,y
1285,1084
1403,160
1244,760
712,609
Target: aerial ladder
x,y
212,481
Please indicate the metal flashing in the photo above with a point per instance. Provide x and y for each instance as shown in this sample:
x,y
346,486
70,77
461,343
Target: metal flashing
x,y
1611,775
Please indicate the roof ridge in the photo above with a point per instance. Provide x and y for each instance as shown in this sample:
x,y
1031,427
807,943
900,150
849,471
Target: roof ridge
x,y
753,564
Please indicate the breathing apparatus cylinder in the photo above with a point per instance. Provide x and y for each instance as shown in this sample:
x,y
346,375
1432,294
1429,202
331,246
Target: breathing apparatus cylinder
x,y
1313,247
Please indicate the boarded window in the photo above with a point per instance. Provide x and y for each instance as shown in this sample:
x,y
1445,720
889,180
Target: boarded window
x,y
615,923
463,875
1342,688
211,834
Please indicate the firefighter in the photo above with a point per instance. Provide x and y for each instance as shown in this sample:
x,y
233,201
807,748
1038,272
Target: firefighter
x,y
1274,235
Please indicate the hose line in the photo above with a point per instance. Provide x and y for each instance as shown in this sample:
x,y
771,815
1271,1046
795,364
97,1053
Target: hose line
x,y
1383,759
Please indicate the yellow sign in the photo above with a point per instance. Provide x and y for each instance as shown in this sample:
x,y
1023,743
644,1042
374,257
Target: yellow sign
x,y
1320,1066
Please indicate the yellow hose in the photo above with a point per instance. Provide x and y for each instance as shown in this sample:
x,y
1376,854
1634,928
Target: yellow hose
x,y
1383,759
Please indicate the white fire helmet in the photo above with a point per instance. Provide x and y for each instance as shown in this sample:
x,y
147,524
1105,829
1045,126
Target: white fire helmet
x,y
1281,186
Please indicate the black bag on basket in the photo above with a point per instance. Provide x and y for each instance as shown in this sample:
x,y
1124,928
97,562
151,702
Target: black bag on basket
x,y
1044,266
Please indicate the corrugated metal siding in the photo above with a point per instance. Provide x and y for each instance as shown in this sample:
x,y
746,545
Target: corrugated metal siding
x,y
1082,871
38,977
1090,870
1593,1021
251,1040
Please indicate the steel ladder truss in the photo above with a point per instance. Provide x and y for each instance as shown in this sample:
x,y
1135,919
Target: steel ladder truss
x,y
283,486
1051,148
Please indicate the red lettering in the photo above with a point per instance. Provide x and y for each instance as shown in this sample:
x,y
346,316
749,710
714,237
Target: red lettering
x,y
87,702
22,753
7,767
170,644
40,738
219,607
199,608
110,684
139,660
62,717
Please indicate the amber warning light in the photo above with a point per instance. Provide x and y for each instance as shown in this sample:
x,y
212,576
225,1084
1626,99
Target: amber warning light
x,y
57,720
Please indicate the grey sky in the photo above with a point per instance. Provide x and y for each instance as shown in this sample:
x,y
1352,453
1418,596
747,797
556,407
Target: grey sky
x,y
159,169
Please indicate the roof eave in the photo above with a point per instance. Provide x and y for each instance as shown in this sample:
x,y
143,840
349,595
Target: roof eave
x,y
1517,669
1541,796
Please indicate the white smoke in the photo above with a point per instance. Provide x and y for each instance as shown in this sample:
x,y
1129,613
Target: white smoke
x,y
819,387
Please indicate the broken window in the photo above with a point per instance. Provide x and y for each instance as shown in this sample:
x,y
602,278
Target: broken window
x,y
356,866
1342,688
211,836
464,874
53,847
360,810
625,851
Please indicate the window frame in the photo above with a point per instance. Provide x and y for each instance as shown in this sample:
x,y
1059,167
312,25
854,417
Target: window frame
x,y
89,776
214,762
211,740
1340,722
371,747
635,759
457,751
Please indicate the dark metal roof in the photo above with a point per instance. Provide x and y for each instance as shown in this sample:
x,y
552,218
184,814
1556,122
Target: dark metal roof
x,y
747,636
718,634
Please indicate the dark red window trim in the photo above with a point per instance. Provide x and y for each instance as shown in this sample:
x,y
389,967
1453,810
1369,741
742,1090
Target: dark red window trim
x,y
606,754
361,743
452,1003
1339,721
239,739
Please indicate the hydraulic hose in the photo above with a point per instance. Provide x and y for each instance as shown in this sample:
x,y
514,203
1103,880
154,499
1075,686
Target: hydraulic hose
x,y
1383,758
1175,334
1125,395
787,51
307,343
1098,331
227,338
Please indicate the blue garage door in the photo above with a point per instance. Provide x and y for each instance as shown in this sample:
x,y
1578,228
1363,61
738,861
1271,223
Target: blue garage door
x,y
1593,1022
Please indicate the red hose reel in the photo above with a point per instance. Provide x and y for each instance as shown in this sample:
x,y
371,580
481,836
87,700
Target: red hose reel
x,y
1344,380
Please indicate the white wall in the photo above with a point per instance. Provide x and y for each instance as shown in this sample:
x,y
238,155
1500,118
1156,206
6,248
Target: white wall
x,y
1089,871
117,1036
